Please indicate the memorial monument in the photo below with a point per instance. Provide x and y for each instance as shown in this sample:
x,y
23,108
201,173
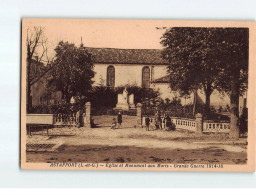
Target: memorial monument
x,y
125,101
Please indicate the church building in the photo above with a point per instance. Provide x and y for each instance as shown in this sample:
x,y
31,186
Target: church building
x,y
118,67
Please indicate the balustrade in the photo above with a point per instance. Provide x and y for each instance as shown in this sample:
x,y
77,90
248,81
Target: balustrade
x,y
65,119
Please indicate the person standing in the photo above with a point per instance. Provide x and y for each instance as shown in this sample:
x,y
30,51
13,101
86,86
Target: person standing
x,y
168,122
119,120
156,120
160,122
147,121
164,122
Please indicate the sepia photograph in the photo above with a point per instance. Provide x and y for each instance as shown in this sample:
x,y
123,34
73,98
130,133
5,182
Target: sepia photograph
x,y
152,95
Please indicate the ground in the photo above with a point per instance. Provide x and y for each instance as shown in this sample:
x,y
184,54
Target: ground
x,y
132,145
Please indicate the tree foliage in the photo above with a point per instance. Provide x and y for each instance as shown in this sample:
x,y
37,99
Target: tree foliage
x,y
104,97
208,59
191,54
233,53
72,71
204,58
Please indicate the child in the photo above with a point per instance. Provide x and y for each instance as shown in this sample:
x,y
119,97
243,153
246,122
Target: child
x,y
113,124
119,120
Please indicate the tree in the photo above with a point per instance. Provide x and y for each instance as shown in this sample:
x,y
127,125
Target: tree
x,y
192,65
233,46
209,58
35,41
72,71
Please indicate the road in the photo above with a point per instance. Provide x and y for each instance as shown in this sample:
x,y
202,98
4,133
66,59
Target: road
x,y
135,146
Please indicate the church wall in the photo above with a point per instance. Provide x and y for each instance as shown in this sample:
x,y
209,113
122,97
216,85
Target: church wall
x,y
217,99
127,73
164,90
100,73
132,73
158,71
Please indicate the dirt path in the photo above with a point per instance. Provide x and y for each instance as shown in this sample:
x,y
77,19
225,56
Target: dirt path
x,y
137,146
106,153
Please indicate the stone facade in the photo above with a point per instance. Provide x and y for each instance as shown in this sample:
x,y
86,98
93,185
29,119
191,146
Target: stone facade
x,y
127,73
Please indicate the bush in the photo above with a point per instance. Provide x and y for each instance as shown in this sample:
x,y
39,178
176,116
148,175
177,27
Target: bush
x,y
64,108
174,108
141,94
104,99
216,117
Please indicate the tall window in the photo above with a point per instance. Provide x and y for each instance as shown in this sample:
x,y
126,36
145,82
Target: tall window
x,y
111,76
146,77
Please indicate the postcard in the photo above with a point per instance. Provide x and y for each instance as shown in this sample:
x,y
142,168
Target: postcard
x,y
138,95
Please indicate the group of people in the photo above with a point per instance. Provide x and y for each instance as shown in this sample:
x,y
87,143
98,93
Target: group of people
x,y
118,123
158,122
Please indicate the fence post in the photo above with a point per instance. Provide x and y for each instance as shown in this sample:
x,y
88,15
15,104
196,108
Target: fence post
x,y
199,123
87,114
139,114
77,118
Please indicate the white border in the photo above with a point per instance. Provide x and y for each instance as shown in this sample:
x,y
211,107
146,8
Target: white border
x,y
11,13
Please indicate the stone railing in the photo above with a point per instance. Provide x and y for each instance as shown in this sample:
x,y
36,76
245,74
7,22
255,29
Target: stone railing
x,y
65,119
180,123
197,125
73,119
222,127
183,123
152,120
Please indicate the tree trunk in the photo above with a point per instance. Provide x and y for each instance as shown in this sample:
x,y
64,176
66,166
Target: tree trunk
x,y
208,93
234,105
194,102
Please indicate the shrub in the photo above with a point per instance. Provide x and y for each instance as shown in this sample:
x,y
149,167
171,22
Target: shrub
x,y
141,94
64,108
104,99
216,117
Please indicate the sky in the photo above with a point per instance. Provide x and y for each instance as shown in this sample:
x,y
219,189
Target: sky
x,y
126,34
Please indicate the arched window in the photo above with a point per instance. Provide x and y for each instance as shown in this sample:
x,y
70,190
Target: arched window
x,y
111,76
146,77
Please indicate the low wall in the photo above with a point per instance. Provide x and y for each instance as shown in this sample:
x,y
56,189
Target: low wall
x,y
214,127
43,119
65,119
191,125
184,123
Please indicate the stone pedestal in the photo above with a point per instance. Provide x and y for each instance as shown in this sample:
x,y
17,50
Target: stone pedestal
x,y
131,101
121,103
87,118
139,114
199,123
77,118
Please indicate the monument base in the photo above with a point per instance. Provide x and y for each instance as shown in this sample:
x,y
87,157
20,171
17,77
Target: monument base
x,y
132,106
122,107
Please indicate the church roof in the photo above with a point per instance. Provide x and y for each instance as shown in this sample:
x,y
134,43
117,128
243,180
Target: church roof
x,y
164,79
127,56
